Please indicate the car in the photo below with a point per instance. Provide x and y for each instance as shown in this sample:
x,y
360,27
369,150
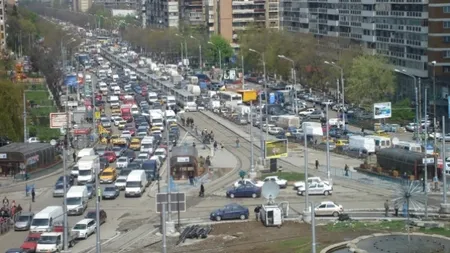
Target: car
x,y
106,123
58,190
30,242
69,180
85,228
91,191
244,191
92,214
122,124
247,181
316,115
118,151
282,183
161,152
275,130
126,134
143,157
230,212
23,221
33,140
316,189
306,112
100,151
111,156
299,184
122,162
328,208
122,180
108,175
110,192
16,250
266,127
117,120
446,137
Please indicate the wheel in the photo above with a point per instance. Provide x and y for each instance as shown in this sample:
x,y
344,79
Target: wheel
x,y
242,217
335,214
232,196
218,218
254,195
326,193
301,193
70,244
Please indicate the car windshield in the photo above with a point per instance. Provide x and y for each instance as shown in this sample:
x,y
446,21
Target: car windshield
x,y
39,222
32,239
23,218
47,240
105,121
89,188
91,215
124,173
85,172
142,156
134,184
73,201
59,187
146,146
121,180
159,153
110,189
101,149
80,227
107,174
122,160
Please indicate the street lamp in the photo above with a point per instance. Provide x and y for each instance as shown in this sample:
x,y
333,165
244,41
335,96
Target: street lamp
x,y
433,63
295,79
220,57
263,138
199,51
343,89
185,48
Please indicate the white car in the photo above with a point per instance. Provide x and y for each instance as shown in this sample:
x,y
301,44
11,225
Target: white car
x,y
106,123
143,157
316,189
85,228
328,208
157,159
282,183
122,162
117,120
126,134
307,112
33,140
299,184
121,182
265,127
275,130
247,181
161,152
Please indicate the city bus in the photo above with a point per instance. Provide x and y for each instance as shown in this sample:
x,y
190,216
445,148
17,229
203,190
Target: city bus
x,y
229,97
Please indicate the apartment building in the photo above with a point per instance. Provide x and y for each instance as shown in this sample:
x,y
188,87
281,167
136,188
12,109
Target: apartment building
x,y
81,5
163,13
117,4
193,12
2,25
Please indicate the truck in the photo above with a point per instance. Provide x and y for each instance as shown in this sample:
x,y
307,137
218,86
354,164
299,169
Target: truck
x,y
125,111
54,241
248,95
312,128
171,117
77,199
362,143
171,101
88,166
287,121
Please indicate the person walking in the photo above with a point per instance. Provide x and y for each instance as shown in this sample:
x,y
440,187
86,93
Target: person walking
x,y
346,170
257,210
396,207
221,146
215,145
74,156
317,164
237,142
33,194
202,191
386,208
5,202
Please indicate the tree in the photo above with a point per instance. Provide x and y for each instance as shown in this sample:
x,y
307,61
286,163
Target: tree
x,y
370,80
218,43
11,110
402,111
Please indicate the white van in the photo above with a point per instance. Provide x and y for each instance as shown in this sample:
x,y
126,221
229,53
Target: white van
x,y
115,78
171,116
46,219
361,143
126,71
116,90
152,97
77,200
136,183
171,101
88,79
88,166
135,110
85,152
133,76
147,145
411,146
114,102
380,141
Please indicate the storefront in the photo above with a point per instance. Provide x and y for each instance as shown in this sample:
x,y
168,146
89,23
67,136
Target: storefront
x,y
23,158
184,163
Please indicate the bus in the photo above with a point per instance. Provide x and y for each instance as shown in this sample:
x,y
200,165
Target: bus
x,y
411,146
229,97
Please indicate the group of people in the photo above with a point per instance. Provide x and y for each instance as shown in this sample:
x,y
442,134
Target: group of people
x,y
207,137
189,122
7,211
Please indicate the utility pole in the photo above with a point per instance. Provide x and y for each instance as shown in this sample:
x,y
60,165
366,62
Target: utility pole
x,y
24,116
252,152
243,78
435,123
444,169
305,137
65,146
426,156
328,143
98,246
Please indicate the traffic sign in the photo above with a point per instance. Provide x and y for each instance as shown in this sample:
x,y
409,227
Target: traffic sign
x,y
58,120
97,115
177,201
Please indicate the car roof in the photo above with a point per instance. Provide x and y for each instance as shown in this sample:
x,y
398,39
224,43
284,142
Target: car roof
x,y
85,221
327,202
109,169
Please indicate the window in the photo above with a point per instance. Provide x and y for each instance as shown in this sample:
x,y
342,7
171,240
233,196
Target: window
x,y
446,69
446,9
446,39
446,54
446,24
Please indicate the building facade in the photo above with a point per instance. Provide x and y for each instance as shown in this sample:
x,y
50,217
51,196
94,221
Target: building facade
x,y
162,13
81,5
116,4
2,25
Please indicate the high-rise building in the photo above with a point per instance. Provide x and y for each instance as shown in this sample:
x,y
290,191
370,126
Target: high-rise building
x,y
2,25
122,5
163,13
81,5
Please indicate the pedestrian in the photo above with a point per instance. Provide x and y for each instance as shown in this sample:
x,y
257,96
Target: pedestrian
x,y
202,191
346,170
196,131
317,164
386,208
193,144
396,207
33,194
208,161
237,142
221,145
74,156
257,210
215,145
5,202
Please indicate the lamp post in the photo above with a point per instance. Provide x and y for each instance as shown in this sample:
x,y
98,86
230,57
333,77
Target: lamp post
x,y
342,87
263,138
220,57
185,49
416,128
199,52
295,79
433,63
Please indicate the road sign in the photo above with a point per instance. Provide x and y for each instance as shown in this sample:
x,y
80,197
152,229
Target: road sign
x,y
97,115
177,201
58,120
276,149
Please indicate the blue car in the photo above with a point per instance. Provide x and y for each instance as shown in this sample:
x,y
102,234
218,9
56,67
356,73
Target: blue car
x,y
243,191
69,180
230,212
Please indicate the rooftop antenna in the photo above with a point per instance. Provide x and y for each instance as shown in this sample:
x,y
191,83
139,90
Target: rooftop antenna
x,y
270,190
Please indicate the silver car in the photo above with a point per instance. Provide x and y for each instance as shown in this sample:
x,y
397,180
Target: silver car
x,y
58,191
23,222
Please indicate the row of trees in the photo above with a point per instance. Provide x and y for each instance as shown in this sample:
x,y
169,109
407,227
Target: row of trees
x,y
368,78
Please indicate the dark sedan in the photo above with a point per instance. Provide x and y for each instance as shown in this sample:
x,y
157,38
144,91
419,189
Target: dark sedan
x,y
244,191
230,212
69,180
93,215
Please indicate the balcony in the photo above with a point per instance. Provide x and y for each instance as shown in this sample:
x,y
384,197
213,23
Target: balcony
x,y
332,22
367,1
368,38
322,21
333,34
322,10
243,19
259,10
304,20
242,3
368,26
238,11
368,13
397,41
332,12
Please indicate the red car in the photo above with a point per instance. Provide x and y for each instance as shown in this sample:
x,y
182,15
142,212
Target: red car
x,y
131,129
111,156
30,242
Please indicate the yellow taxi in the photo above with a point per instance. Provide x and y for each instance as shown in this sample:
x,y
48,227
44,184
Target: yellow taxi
x,y
135,144
121,141
122,124
116,111
155,130
108,175
341,143
114,138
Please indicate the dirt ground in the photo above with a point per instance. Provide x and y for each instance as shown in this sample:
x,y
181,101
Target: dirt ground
x,y
253,237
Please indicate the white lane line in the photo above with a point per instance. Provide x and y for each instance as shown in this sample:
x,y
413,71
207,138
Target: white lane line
x,y
107,241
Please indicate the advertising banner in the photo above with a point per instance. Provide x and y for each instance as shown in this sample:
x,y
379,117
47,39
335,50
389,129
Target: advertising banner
x,y
276,149
382,110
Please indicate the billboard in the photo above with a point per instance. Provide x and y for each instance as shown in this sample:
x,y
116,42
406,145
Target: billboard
x,y
276,149
382,110
58,120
